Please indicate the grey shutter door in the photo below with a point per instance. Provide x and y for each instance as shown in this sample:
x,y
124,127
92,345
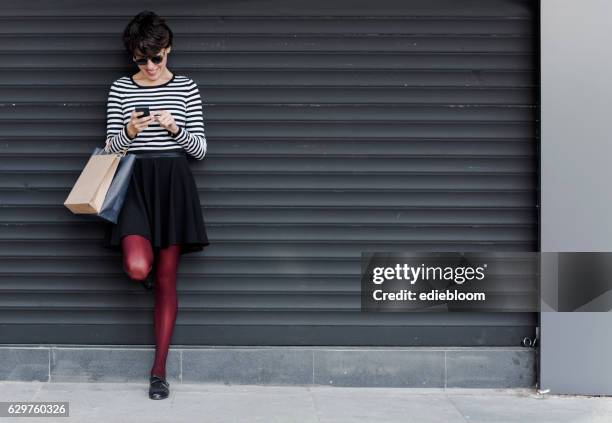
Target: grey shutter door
x,y
334,127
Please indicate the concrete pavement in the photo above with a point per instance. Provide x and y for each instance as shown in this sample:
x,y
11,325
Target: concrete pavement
x,y
128,402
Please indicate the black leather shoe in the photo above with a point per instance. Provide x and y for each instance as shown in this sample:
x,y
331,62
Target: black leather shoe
x,y
159,388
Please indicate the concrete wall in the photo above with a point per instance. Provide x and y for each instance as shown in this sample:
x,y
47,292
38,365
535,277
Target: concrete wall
x,y
576,83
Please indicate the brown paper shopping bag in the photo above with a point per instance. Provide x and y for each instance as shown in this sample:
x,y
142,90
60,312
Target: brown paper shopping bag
x,y
89,191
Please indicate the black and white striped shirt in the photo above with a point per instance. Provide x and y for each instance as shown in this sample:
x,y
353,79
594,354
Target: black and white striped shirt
x,y
180,96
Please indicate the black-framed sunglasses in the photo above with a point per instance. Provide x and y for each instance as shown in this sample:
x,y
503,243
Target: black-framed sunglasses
x,y
143,60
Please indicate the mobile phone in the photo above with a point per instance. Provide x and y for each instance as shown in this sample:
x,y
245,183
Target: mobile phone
x,y
144,109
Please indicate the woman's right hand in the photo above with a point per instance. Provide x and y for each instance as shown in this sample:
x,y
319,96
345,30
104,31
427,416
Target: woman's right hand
x,y
137,124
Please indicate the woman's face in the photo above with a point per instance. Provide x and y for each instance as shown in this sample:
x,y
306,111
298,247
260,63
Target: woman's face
x,y
153,71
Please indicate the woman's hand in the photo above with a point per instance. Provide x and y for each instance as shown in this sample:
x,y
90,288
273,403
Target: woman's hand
x,y
137,124
166,121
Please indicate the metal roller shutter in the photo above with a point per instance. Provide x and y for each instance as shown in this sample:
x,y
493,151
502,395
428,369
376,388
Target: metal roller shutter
x,y
334,127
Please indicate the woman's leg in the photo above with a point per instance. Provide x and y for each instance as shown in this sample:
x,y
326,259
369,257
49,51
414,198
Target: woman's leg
x,y
137,256
166,305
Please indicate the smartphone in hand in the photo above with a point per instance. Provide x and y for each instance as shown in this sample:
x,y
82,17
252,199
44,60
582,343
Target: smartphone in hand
x,y
144,109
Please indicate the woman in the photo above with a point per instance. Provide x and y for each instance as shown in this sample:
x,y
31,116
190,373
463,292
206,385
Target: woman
x,y
161,218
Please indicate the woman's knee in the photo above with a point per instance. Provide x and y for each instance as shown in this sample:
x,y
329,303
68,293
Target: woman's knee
x,y
137,268
137,256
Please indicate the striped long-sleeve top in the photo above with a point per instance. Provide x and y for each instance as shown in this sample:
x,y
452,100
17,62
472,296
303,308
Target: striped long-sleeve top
x,y
180,96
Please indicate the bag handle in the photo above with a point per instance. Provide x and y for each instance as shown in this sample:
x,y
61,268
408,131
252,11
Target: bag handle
x,y
121,154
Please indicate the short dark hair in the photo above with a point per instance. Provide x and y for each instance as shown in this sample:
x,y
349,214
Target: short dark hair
x,y
147,33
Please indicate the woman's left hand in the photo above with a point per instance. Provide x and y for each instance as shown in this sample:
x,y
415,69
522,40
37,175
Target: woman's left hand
x,y
166,121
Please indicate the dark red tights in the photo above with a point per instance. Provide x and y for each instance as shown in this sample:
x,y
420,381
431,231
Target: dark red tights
x,y
137,263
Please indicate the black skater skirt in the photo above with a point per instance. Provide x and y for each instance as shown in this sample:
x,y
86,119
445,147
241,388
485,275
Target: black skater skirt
x,y
161,204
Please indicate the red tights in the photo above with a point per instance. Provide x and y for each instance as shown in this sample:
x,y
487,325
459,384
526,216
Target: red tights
x,y
137,263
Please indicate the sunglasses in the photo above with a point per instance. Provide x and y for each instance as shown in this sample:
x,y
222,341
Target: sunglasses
x,y
143,60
